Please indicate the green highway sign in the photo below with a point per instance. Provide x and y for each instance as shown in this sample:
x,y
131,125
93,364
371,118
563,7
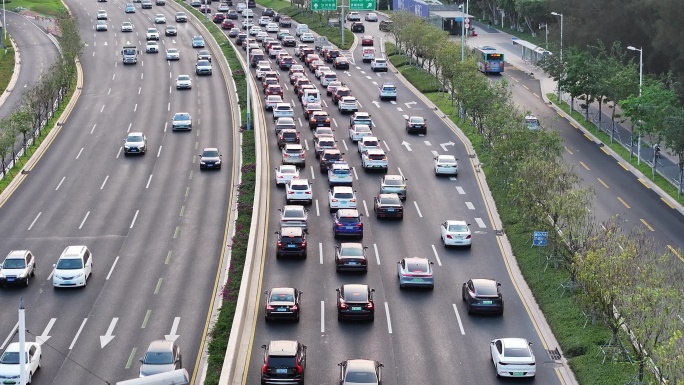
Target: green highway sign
x,y
323,5
362,5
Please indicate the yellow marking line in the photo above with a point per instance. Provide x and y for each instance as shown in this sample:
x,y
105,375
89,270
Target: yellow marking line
x,y
168,258
568,150
646,224
559,114
624,203
131,358
156,290
643,182
675,252
623,166
666,202
584,165
588,137
574,125
603,183
604,150
147,318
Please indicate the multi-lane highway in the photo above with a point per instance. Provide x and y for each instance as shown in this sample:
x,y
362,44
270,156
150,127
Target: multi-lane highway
x,y
420,336
155,224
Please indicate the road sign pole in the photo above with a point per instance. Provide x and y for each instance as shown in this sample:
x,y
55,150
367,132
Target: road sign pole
x,y
342,22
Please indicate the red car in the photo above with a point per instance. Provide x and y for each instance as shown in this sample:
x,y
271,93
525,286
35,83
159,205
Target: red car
x,y
274,89
219,17
269,81
367,40
227,24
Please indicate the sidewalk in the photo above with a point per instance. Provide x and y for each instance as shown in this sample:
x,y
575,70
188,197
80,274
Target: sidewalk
x,y
667,164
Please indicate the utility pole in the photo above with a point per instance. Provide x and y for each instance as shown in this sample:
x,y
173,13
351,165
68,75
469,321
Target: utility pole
x,y
22,343
247,80
342,21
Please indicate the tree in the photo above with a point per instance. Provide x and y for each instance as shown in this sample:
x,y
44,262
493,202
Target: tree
x,y
7,139
673,135
532,12
21,122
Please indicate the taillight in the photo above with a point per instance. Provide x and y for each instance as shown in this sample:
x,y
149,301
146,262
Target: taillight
x,y
304,244
359,224
299,369
263,369
334,200
370,305
468,237
293,307
352,200
308,193
280,244
269,307
343,305
449,236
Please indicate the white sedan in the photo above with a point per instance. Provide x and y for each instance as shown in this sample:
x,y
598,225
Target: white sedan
x,y
126,26
159,19
9,362
307,38
341,197
183,82
285,173
456,233
172,54
446,164
358,131
513,357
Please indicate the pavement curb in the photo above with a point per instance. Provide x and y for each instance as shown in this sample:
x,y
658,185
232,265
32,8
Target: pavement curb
x,y
15,73
564,372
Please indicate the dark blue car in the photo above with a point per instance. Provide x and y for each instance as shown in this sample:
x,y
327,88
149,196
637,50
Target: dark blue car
x,y
347,222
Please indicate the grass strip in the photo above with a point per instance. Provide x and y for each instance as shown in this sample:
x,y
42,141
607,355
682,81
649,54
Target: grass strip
x,y
44,7
6,63
579,344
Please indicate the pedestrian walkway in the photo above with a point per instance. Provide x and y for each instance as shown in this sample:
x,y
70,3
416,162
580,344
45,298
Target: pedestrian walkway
x,y
666,163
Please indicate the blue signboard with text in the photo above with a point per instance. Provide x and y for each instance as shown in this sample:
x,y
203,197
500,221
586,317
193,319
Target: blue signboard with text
x,y
415,7
539,238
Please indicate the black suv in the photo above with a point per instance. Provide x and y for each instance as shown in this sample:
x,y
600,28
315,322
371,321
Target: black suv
x,y
291,242
358,27
284,363
268,12
328,157
287,136
319,119
385,25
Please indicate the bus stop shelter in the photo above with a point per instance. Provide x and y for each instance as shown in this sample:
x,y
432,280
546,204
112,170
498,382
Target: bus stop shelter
x,y
531,53
449,21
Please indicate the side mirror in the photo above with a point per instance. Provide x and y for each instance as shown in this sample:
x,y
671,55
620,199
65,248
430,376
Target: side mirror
x,y
200,155
432,263
498,284
372,290
337,290
0,265
277,232
141,360
54,265
263,346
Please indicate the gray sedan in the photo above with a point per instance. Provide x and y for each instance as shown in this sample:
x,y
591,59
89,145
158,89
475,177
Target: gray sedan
x,y
415,272
391,183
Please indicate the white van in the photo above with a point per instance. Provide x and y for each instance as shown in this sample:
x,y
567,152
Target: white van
x,y
301,28
368,54
176,377
73,267
311,96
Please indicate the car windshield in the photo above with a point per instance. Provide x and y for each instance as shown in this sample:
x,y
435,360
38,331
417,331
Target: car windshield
x,y
184,78
458,228
173,50
390,201
158,358
516,352
181,117
361,378
288,170
417,267
393,182
210,154
370,143
417,120
69,263
10,358
135,138
379,61
14,264
341,172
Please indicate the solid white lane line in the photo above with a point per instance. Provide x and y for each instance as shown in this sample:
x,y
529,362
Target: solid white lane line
x,y
458,317
9,337
480,223
377,255
112,268
104,182
313,174
93,129
60,183
416,204
320,251
439,261
365,207
134,218
322,316
78,333
79,153
129,127
389,322
460,190
318,211
401,173
344,142
84,219
356,176
470,205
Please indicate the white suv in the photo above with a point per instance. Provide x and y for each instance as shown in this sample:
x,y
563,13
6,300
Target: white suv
x,y
341,197
73,267
152,34
379,65
298,190
282,110
388,91
339,173
374,159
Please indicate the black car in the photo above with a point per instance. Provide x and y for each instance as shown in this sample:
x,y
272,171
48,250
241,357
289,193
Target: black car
x,y
358,27
328,157
170,30
251,4
319,119
232,14
291,242
341,63
282,303
351,256
482,295
331,55
388,206
210,159
284,363
355,302
288,136
268,12
416,124
289,41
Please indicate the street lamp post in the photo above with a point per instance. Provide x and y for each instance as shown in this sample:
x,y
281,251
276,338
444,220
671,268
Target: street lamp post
x,y
641,79
247,78
561,49
462,33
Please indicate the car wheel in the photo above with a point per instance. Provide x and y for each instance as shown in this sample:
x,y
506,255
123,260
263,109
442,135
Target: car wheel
x,y
469,246
27,282
444,242
463,294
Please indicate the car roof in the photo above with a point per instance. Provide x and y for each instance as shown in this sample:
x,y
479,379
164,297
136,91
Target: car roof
x,y
14,346
160,346
447,157
138,133
388,196
393,177
211,149
375,151
17,254
361,365
300,181
456,222
340,166
519,343
417,260
72,251
288,167
484,282
293,146
282,348
355,287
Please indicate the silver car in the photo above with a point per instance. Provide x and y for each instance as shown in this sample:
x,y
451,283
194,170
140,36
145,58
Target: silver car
x,y
18,267
135,143
161,356
172,54
392,183
182,121
294,154
360,371
415,272
294,216
126,26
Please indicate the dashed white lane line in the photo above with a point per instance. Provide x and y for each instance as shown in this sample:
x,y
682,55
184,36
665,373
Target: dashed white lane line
x,y
129,127
386,146
365,207
417,209
318,211
313,174
377,255
356,176
83,221
458,317
322,316
434,250
470,205
112,268
34,220
306,145
480,223
104,182
460,190
435,153
93,129
60,183
134,218
389,321
79,153
400,173
159,151
344,143
320,251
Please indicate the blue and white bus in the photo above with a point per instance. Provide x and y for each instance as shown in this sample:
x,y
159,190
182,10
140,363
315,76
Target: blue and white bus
x,y
488,60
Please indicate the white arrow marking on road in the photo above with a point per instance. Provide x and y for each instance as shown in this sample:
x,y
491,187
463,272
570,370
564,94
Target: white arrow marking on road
x,y
444,145
407,145
393,102
107,338
408,105
377,104
106,43
173,336
427,143
44,337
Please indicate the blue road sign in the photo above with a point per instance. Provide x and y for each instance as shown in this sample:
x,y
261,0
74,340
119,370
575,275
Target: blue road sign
x,y
539,238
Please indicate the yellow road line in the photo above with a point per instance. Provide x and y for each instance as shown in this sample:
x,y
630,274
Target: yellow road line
x,y
604,150
588,137
574,125
603,183
666,202
584,165
131,358
623,166
147,318
675,252
568,150
646,224
559,114
644,183
624,203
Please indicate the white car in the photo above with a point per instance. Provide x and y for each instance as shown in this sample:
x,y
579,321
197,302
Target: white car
x,y
320,70
446,164
282,110
18,268
328,78
135,143
203,67
183,82
358,131
360,371
10,363
264,20
285,173
339,173
152,34
388,91
348,104
159,19
371,16
341,197
374,159
152,47
272,101
254,30
353,16
272,27
455,233
294,216
223,7
307,37
379,64
368,142
101,25
73,268
298,190
172,54
261,68
247,13
261,35
513,357
126,26
102,15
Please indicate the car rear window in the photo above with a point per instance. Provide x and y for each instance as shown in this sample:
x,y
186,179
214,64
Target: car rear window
x,y
458,228
282,297
361,378
376,157
356,295
516,352
349,220
292,214
486,289
396,182
344,195
341,172
299,187
279,362
417,267
390,201
292,239
352,252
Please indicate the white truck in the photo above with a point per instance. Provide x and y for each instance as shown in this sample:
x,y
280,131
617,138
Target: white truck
x,y
130,54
